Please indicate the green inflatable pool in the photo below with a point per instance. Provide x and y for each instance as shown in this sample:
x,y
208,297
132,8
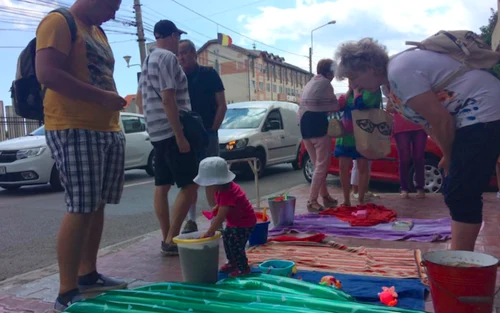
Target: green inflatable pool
x,y
256,293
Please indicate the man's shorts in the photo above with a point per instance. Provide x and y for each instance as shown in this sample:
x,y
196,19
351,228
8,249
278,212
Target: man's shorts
x,y
213,145
173,167
91,166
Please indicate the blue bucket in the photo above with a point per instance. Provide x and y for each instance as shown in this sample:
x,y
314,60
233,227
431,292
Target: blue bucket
x,y
259,234
277,267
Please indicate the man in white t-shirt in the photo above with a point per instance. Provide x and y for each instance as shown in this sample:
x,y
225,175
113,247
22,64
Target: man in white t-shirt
x,y
163,93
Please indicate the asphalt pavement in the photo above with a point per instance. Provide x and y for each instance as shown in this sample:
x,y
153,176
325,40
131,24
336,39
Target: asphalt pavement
x,y
30,216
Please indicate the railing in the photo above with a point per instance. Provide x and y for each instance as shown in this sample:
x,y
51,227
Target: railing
x,y
14,126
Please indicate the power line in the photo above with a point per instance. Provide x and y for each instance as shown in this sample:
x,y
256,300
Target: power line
x,y
238,33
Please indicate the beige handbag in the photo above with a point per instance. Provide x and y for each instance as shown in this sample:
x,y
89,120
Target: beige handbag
x,y
335,127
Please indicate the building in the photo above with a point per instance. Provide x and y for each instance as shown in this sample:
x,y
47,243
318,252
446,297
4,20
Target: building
x,y
131,106
251,75
495,37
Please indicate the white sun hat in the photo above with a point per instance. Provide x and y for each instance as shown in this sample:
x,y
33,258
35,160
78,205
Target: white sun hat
x,y
213,171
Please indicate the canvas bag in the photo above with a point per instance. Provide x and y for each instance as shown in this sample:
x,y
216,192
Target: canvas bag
x,y
335,127
372,132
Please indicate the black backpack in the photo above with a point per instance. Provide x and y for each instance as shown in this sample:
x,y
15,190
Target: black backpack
x,y
26,92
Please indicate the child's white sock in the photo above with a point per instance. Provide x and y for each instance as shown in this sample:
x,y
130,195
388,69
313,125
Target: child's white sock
x,y
192,213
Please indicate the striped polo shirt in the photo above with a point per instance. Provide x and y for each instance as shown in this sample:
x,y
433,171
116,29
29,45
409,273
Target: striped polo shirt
x,y
162,71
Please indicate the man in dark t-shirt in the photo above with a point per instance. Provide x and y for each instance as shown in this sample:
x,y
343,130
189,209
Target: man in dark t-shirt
x,y
206,92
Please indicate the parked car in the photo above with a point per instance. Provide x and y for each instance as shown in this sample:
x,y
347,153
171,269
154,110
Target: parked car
x,y
28,161
266,130
387,169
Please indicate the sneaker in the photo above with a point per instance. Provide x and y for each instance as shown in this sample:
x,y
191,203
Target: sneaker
x,y
498,195
237,273
227,268
60,307
169,249
190,227
103,283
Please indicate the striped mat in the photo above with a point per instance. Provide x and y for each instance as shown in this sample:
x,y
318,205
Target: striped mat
x,y
336,258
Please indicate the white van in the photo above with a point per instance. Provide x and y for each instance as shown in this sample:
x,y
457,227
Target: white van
x,y
267,130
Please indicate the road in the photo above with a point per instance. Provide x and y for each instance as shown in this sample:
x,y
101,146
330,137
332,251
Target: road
x,y
30,216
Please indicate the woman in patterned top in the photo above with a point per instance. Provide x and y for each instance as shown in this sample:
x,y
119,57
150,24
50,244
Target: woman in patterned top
x,y
345,147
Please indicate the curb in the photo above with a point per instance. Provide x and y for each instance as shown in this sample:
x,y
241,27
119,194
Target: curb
x,y
25,278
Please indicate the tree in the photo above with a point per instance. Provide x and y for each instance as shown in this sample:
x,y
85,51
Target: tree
x,y
487,30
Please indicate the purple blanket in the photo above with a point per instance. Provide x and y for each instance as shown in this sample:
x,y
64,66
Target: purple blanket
x,y
423,230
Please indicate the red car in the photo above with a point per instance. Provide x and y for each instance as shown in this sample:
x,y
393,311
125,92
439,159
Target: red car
x,y
386,169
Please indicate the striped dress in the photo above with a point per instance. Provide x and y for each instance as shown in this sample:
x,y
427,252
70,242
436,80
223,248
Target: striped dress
x,y
346,146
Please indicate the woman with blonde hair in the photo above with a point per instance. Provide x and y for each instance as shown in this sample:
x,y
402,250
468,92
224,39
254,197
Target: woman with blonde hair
x,y
463,118
318,99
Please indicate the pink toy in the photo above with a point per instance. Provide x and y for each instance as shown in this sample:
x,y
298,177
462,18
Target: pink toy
x,y
388,296
360,214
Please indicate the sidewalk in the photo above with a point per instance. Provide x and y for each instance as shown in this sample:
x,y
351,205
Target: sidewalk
x,y
139,260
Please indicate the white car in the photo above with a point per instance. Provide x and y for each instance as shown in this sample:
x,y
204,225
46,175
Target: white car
x,y
266,130
28,161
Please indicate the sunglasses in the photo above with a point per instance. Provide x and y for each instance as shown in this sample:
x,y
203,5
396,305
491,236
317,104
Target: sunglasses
x,y
368,126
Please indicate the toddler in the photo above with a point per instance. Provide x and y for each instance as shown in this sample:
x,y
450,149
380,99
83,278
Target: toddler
x,y
231,206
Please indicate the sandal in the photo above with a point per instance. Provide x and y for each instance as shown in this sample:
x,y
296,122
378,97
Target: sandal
x,y
314,207
404,195
330,202
420,194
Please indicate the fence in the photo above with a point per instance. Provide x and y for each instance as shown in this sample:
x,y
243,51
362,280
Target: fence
x,y
14,126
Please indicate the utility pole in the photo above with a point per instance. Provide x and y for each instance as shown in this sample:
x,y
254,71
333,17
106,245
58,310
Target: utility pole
x,y
140,30
311,58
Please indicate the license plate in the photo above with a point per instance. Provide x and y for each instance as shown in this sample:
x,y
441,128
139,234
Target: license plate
x,y
3,170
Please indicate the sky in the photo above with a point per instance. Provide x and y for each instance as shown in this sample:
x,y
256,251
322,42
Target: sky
x,y
281,27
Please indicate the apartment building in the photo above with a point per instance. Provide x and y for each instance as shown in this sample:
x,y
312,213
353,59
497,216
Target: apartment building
x,y
252,75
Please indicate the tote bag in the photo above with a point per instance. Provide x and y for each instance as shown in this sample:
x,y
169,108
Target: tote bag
x,y
372,132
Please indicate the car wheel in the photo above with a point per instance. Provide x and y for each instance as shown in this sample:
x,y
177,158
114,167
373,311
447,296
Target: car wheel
x,y
7,187
150,168
295,164
307,167
434,177
55,179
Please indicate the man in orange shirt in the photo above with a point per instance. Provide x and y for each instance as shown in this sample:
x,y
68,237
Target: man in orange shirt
x,y
81,108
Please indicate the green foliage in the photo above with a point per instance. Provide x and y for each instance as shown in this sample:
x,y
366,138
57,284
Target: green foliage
x,y
487,30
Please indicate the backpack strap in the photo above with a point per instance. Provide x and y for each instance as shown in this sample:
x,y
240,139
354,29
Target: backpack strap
x,y
70,20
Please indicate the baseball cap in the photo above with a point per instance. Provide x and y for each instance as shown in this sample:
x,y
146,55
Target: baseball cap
x,y
165,28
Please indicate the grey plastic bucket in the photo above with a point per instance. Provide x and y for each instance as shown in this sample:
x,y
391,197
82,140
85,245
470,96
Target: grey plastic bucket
x,y
282,212
199,257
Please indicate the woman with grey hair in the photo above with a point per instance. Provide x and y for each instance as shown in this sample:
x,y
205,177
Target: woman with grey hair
x,y
463,119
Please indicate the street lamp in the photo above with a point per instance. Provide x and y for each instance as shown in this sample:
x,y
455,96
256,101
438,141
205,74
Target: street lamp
x,y
311,48
127,59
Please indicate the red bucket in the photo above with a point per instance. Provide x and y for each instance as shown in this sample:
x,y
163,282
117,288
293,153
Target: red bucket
x,y
461,281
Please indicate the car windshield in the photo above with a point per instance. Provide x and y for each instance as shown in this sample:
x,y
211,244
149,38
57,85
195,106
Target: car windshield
x,y
243,118
40,131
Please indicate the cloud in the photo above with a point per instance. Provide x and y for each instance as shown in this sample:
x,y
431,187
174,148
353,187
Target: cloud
x,y
24,15
241,18
390,21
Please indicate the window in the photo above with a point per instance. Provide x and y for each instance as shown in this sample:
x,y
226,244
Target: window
x,y
274,88
281,74
252,65
259,67
268,87
268,71
242,118
253,85
133,124
274,117
281,89
261,86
